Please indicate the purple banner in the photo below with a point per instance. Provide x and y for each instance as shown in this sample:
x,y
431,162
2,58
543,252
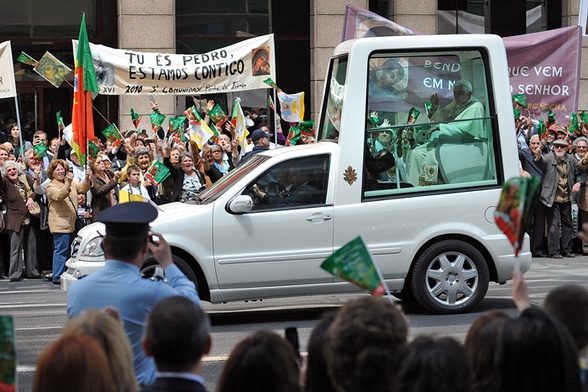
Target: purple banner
x,y
545,67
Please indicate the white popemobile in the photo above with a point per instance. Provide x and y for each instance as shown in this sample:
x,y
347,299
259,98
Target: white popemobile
x,y
263,230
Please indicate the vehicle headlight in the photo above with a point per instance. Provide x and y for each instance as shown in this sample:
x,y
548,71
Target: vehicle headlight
x,y
93,248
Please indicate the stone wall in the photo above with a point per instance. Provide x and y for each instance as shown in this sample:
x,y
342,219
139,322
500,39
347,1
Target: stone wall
x,y
146,26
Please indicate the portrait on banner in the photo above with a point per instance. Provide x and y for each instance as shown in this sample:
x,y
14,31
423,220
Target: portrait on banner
x,y
260,61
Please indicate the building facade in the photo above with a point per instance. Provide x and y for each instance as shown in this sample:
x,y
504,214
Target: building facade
x,y
305,34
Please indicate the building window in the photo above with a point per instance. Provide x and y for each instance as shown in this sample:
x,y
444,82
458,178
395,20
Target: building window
x,y
502,17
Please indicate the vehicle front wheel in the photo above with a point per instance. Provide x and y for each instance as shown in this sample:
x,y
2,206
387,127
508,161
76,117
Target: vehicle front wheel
x,y
450,276
152,270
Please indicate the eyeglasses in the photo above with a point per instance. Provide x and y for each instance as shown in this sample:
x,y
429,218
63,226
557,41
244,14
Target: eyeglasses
x,y
558,146
581,147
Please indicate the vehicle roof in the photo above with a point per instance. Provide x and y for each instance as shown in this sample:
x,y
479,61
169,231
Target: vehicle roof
x,y
420,41
322,145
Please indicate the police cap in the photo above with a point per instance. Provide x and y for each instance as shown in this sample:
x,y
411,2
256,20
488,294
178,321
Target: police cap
x,y
128,219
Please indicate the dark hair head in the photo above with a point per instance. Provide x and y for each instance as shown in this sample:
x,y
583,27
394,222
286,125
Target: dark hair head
x,y
365,343
481,344
317,376
123,248
262,362
177,332
435,364
536,354
569,304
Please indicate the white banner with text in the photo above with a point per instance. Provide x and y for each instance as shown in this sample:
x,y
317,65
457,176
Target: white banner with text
x,y
238,67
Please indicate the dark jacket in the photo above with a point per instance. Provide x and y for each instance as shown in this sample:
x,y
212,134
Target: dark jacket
x,y
16,209
528,163
256,150
175,384
100,193
215,174
177,175
548,163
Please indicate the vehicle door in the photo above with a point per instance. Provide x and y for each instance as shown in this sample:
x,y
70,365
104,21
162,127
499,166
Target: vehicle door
x,y
285,237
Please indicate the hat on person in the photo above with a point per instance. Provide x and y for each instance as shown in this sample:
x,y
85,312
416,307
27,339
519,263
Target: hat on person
x,y
558,128
128,219
560,142
258,134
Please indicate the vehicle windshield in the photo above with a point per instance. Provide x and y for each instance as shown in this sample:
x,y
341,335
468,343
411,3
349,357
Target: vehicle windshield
x,y
331,115
209,195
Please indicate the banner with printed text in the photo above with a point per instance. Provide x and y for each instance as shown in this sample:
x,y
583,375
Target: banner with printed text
x,y
7,83
238,67
545,67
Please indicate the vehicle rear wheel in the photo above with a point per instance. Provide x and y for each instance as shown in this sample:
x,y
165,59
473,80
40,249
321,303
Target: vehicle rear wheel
x,y
450,276
152,270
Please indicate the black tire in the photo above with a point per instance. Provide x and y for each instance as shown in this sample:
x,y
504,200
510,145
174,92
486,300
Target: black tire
x,y
449,277
152,270
405,295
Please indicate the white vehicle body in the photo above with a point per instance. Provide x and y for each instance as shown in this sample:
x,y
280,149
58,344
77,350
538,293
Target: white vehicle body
x,y
436,243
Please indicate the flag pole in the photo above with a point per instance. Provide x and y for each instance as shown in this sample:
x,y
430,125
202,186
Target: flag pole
x,y
275,118
21,152
93,107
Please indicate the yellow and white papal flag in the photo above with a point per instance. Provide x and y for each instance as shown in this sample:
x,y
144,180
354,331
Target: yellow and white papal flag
x,y
7,82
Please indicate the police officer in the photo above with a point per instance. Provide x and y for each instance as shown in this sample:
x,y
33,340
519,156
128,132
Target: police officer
x,y
126,244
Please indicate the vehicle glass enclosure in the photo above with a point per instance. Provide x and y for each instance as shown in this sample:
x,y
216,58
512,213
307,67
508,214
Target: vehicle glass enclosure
x,y
299,182
430,122
333,104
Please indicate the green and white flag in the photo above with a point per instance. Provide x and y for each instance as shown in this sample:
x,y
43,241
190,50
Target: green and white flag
x,y
157,172
354,263
26,59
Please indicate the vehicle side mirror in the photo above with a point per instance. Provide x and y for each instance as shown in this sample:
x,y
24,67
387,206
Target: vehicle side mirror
x,y
241,204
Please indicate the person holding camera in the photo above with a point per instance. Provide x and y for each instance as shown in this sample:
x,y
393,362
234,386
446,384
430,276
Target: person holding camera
x,y
126,244
62,196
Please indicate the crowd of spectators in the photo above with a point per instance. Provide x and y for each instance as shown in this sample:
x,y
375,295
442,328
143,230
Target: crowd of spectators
x,y
69,195
558,157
